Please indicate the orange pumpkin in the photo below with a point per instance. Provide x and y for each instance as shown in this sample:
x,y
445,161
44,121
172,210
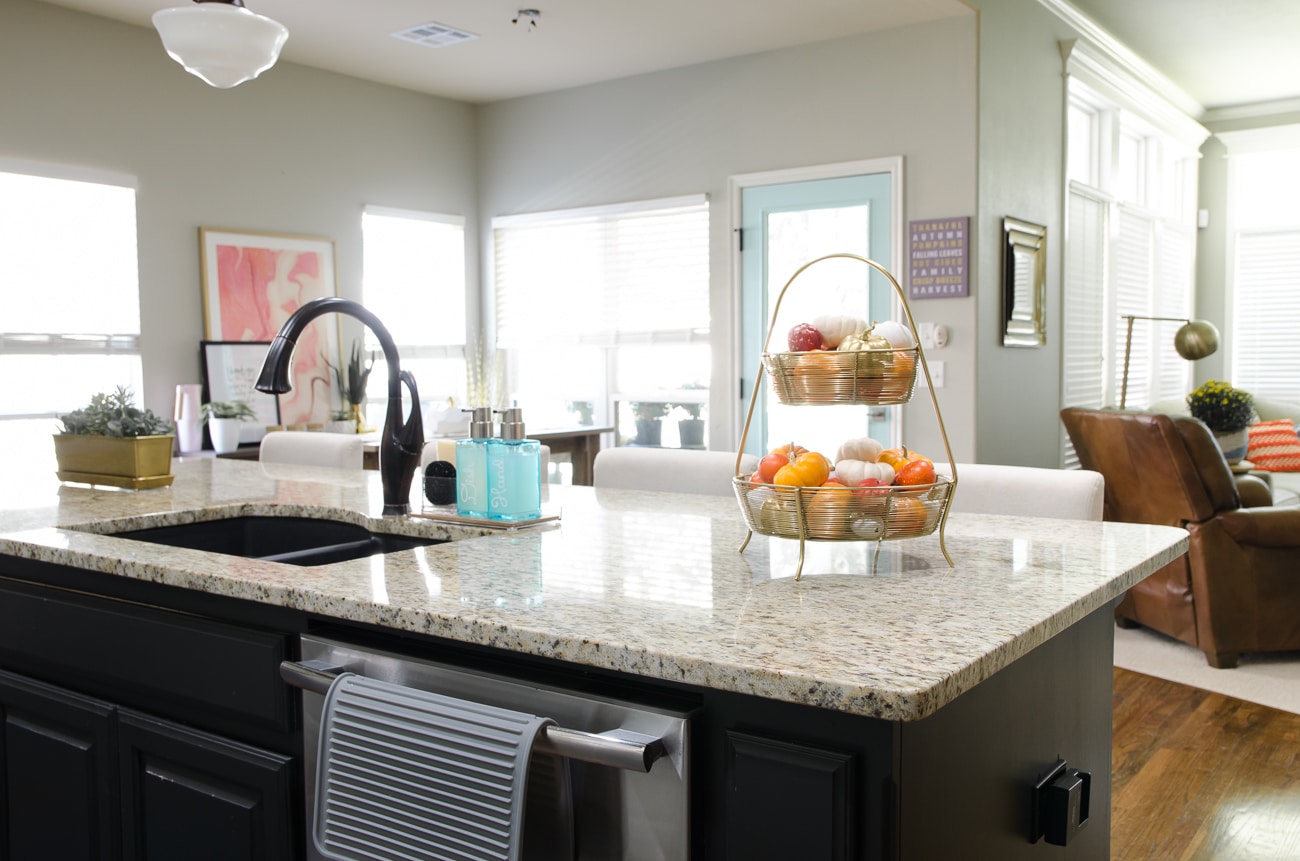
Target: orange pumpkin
x,y
900,457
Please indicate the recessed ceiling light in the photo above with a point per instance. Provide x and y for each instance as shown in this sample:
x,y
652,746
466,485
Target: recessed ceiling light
x,y
434,35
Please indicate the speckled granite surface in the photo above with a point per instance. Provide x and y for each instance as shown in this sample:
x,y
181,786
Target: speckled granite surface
x,y
645,583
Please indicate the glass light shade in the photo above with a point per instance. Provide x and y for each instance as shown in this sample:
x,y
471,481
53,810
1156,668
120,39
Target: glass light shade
x,y
223,44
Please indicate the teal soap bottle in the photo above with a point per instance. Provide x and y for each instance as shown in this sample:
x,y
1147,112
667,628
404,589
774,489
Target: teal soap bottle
x,y
514,468
472,465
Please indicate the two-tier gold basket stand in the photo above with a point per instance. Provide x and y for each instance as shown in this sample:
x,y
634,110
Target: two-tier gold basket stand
x,y
879,377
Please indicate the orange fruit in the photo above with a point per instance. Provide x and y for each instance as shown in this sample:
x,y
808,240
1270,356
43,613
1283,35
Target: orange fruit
x,y
906,514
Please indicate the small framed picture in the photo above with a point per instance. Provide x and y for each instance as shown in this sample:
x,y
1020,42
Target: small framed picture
x,y
230,369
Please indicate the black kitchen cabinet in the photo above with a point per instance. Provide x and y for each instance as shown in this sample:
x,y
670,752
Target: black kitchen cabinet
x,y
58,762
192,795
179,740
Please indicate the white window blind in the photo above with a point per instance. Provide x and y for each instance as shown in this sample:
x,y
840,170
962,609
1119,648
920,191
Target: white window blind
x,y
1266,303
1084,339
414,277
1133,279
605,276
69,301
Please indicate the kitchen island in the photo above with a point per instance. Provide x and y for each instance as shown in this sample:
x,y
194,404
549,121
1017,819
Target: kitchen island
x,y
901,712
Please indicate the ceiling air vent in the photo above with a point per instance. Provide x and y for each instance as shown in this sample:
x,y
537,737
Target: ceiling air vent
x,y
434,35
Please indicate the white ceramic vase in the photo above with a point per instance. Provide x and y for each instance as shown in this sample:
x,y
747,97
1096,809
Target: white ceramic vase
x,y
224,433
189,421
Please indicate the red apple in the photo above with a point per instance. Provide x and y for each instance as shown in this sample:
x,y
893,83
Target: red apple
x,y
805,337
864,487
768,466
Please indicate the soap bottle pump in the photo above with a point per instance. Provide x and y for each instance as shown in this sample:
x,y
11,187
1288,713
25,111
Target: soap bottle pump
x,y
514,467
472,465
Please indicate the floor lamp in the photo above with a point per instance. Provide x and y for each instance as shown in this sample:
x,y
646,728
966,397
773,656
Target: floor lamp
x,y
1195,339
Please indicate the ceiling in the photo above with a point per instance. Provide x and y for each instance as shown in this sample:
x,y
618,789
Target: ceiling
x,y
1221,53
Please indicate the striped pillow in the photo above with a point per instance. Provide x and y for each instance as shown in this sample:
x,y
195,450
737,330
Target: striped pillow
x,y
1274,446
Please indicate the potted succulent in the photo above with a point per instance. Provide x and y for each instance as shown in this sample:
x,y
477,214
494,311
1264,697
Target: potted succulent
x,y
352,383
1227,411
111,441
224,418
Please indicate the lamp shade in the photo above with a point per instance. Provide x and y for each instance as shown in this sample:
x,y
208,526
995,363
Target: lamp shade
x,y
1196,339
220,42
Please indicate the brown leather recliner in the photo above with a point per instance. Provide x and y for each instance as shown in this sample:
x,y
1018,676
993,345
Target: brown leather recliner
x,y
1238,587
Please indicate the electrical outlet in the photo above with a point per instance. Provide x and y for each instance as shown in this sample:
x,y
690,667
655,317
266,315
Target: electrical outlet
x,y
936,374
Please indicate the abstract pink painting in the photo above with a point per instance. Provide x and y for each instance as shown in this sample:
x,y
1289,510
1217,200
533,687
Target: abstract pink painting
x,y
252,282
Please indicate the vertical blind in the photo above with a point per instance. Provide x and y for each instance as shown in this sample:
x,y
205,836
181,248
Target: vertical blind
x,y
605,276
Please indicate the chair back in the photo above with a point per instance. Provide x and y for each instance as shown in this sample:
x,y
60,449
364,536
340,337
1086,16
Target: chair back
x,y
1160,469
671,469
313,448
1027,491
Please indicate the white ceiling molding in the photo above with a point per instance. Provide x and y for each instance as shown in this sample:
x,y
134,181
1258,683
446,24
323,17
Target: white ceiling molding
x,y
1116,82
1121,56
1261,139
1258,110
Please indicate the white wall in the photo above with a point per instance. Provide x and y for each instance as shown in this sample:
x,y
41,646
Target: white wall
x,y
908,92
296,151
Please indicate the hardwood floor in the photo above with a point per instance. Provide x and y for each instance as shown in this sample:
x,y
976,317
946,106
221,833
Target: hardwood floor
x,y
1201,777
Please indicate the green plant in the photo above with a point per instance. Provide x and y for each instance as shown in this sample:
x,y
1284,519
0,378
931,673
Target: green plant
x,y
226,410
352,385
650,410
1223,408
692,410
114,414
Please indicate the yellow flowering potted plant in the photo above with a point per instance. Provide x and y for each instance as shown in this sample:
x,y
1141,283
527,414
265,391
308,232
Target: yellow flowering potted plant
x,y
1227,411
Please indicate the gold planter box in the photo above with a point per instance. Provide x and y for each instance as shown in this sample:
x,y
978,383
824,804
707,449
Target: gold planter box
x,y
134,462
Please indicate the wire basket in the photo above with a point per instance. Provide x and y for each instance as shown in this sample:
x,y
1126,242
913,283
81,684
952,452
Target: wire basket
x,y
865,377
842,513
820,377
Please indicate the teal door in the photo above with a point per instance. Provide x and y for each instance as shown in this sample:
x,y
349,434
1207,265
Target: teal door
x,y
784,226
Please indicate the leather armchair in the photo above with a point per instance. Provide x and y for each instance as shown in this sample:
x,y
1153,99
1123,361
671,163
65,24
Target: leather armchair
x,y
1238,587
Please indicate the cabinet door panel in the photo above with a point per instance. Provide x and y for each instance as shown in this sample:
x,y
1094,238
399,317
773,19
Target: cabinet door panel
x,y
787,800
58,795
189,794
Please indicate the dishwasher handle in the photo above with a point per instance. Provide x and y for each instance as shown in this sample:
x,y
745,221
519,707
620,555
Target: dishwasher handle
x,y
617,748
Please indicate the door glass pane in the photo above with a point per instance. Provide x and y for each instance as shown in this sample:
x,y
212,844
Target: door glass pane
x,y
829,287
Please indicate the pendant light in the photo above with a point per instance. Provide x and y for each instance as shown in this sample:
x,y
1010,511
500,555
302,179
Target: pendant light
x,y
220,41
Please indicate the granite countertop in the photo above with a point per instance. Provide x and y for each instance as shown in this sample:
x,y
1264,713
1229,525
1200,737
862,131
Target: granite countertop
x,y
639,582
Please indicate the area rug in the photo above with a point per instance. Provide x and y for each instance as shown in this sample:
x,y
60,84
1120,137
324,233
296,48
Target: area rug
x,y
1268,679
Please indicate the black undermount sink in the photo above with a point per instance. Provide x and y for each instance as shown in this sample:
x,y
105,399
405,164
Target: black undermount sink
x,y
295,540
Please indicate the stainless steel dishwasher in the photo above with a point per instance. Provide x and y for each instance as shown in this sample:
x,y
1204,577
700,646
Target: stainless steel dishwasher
x,y
628,761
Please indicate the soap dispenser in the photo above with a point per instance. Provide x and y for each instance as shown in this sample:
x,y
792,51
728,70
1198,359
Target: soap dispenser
x,y
514,468
472,465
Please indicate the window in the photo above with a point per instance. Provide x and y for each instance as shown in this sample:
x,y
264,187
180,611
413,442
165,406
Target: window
x,y
69,301
1129,250
414,282
601,309
1266,257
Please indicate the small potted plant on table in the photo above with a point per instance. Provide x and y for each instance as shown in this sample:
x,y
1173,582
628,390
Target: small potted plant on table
x,y
352,384
112,442
224,419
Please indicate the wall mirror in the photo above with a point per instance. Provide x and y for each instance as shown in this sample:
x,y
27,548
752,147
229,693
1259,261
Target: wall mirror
x,y
1024,283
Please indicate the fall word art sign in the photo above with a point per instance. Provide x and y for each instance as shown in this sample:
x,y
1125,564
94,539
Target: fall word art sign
x,y
939,258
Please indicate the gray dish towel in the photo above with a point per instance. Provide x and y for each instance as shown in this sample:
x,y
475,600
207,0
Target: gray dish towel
x,y
418,776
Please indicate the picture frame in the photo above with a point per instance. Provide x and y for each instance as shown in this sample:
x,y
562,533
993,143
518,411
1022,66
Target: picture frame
x,y
1024,283
230,369
252,281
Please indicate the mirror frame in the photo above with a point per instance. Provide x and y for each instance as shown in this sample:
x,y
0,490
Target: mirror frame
x,y
1024,283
